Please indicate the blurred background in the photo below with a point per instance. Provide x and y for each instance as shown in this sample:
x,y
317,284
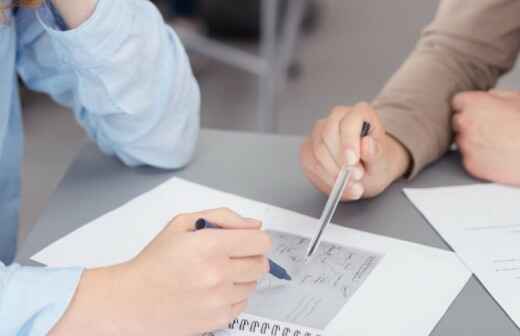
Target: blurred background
x,y
316,54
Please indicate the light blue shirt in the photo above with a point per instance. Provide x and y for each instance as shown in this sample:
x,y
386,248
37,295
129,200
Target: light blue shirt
x,y
127,78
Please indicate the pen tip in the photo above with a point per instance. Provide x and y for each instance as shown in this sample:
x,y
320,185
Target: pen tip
x,y
286,276
278,271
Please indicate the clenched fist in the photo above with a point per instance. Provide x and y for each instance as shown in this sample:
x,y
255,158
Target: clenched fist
x,y
487,127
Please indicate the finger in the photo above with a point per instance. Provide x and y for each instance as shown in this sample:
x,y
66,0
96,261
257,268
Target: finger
x,y
459,101
322,152
231,294
350,130
241,292
370,150
248,269
222,217
457,123
353,192
318,182
350,127
504,93
228,219
461,142
331,133
313,167
242,243
358,172
225,315
238,308
183,222
464,100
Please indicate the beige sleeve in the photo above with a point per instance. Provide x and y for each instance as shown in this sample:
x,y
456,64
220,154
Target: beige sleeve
x,y
468,46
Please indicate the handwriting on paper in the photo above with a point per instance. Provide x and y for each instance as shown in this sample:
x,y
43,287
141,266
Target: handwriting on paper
x,y
319,289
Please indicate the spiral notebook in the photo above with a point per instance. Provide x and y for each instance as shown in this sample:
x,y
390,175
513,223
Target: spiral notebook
x,y
357,284
316,294
249,325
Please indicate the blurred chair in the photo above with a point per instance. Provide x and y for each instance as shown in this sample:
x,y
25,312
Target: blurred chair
x,y
273,62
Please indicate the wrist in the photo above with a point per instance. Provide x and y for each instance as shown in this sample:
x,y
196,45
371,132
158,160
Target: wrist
x,y
75,12
94,308
399,156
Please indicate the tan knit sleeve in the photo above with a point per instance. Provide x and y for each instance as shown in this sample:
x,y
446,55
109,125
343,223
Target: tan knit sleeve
x,y
468,46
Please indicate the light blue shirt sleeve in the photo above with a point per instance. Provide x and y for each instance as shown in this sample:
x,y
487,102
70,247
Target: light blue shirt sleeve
x,y
124,73
33,299
127,78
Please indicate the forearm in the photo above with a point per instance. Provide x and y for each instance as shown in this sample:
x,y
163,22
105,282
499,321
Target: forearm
x,y
94,308
415,104
468,46
146,106
75,12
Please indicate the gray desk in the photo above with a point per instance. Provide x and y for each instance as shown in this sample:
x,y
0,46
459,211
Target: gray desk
x,y
265,168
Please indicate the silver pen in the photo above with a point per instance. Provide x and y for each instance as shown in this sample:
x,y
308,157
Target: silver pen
x,y
333,201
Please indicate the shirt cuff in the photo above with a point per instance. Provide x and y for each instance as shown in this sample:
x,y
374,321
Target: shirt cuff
x,y
93,41
50,17
410,136
35,298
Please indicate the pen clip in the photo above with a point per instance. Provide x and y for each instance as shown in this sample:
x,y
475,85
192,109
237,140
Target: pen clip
x,y
365,129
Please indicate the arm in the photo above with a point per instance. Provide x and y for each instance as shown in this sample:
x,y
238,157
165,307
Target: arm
x,y
75,12
468,46
125,75
170,285
33,299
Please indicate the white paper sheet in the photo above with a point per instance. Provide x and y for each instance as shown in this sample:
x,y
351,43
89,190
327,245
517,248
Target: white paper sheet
x,y
482,224
318,290
406,293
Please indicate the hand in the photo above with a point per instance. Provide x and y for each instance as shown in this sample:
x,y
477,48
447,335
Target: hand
x,y
487,126
377,159
183,282
75,12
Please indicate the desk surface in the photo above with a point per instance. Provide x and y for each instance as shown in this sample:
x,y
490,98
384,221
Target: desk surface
x,y
266,168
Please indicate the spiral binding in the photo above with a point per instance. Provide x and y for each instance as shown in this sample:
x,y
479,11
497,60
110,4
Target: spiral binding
x,y
257,327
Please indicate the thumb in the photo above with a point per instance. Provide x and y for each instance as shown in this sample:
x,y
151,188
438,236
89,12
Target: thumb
x,y
183,222
222,217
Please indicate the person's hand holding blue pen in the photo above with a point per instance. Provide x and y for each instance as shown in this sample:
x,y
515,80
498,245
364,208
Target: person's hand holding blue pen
x,y
275,269
202,278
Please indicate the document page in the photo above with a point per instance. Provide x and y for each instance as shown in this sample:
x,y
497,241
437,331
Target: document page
x,y
318,289
482,224
357,284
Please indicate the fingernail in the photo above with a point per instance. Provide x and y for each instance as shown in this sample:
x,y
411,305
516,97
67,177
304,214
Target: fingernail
x,y
351,157
357,191
357,173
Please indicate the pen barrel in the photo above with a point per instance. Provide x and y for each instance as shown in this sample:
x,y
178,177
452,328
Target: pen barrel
x,y
332,202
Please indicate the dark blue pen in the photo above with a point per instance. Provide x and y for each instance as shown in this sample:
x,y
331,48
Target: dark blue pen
x,y
275,269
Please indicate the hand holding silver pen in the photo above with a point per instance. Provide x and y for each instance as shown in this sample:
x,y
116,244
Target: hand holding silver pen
x,y
379,158
333,200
